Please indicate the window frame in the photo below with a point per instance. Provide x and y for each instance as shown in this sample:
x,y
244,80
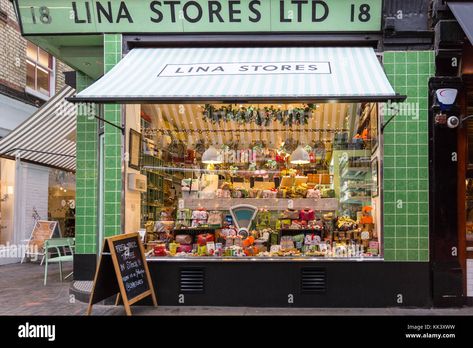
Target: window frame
x,y
37,65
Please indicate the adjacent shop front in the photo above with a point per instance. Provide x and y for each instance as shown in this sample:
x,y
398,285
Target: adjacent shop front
x,y
267,156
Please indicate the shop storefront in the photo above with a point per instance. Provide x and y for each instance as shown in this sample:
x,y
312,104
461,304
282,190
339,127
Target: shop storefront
x,y
267,158
37,181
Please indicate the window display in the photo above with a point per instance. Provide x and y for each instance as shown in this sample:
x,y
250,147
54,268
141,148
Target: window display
x,y
263,181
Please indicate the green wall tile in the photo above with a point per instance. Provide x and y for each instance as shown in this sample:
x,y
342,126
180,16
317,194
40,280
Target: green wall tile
x,y
113,145
86,174
389,254
389,243
424,255
413,232
412,255
412,243
423,243
405,171
401,255
401,243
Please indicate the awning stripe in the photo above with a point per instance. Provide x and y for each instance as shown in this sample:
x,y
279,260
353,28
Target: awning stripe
x,y
42,138
162,74
32,122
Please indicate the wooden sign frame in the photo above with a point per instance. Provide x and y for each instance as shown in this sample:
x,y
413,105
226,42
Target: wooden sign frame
x,y
108,279
55,232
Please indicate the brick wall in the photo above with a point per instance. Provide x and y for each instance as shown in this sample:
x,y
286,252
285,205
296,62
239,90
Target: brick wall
x,y
61,67
12,50
13,53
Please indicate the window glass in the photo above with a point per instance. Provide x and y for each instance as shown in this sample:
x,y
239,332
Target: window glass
x,y
39,70
44,59
30,75
31,51
304,173
43,81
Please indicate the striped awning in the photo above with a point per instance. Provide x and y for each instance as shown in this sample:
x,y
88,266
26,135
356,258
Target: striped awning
x,y
48,136
252,74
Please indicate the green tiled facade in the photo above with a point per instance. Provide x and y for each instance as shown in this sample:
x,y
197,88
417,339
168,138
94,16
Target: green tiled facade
x,y
406,166
86,176
113,146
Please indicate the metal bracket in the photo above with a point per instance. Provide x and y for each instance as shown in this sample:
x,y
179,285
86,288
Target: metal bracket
x,y
388,121
466,118
122,129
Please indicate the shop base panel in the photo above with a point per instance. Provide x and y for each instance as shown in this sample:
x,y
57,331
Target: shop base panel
x,y
292,284
85,266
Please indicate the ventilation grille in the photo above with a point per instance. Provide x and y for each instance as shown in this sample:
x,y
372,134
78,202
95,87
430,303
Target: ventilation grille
x,y
191,281
313,280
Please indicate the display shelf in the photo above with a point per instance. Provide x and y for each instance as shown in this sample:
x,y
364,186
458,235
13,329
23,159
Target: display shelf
x,y
195,230
359,188
355,200
153,204
323,204
354,173
286,231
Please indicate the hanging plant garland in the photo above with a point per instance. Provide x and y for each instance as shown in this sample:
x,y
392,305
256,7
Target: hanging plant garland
x,y
298,116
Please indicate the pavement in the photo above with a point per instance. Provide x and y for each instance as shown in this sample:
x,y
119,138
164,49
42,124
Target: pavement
x,y
22,293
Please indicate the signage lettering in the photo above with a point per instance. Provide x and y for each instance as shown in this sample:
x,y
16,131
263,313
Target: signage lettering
x,y
319,10
176,70
193,16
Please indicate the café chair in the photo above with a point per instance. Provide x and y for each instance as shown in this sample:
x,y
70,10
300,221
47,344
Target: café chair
x,y
61,250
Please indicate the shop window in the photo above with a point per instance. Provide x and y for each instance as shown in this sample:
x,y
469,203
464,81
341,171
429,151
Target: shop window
x,y
61,201
40,72
269,180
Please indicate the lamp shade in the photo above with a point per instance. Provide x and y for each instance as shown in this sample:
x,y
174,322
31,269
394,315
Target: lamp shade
x,y
300,156
211,156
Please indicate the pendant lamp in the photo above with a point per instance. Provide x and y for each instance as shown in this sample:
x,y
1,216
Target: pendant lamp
x,y
300,156
211,156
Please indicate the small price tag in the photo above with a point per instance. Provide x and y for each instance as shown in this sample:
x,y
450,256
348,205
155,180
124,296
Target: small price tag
x,y
290,204
181,203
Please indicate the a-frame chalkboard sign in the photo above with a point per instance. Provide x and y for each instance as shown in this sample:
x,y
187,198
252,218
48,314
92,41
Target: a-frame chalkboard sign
x,y
122,271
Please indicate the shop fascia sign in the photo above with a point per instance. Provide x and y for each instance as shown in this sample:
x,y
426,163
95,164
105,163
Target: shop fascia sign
x,y
198,16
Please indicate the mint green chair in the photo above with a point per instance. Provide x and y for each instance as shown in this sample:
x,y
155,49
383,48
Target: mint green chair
x,y
64,249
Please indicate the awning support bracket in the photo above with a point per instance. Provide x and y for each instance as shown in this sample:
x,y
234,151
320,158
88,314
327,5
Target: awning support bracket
x,y
122,129
385,124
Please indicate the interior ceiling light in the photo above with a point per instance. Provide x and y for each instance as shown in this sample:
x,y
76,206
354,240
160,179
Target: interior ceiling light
x,y
300,156
211,156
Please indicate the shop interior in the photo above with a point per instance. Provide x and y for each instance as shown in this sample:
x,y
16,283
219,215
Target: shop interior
x,y
255,180
61,200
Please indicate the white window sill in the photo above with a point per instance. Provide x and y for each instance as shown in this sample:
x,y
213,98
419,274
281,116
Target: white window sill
x,y
37,94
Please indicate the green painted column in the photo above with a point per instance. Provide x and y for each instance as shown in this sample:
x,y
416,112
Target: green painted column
x,y
406,163
113,146
86,175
